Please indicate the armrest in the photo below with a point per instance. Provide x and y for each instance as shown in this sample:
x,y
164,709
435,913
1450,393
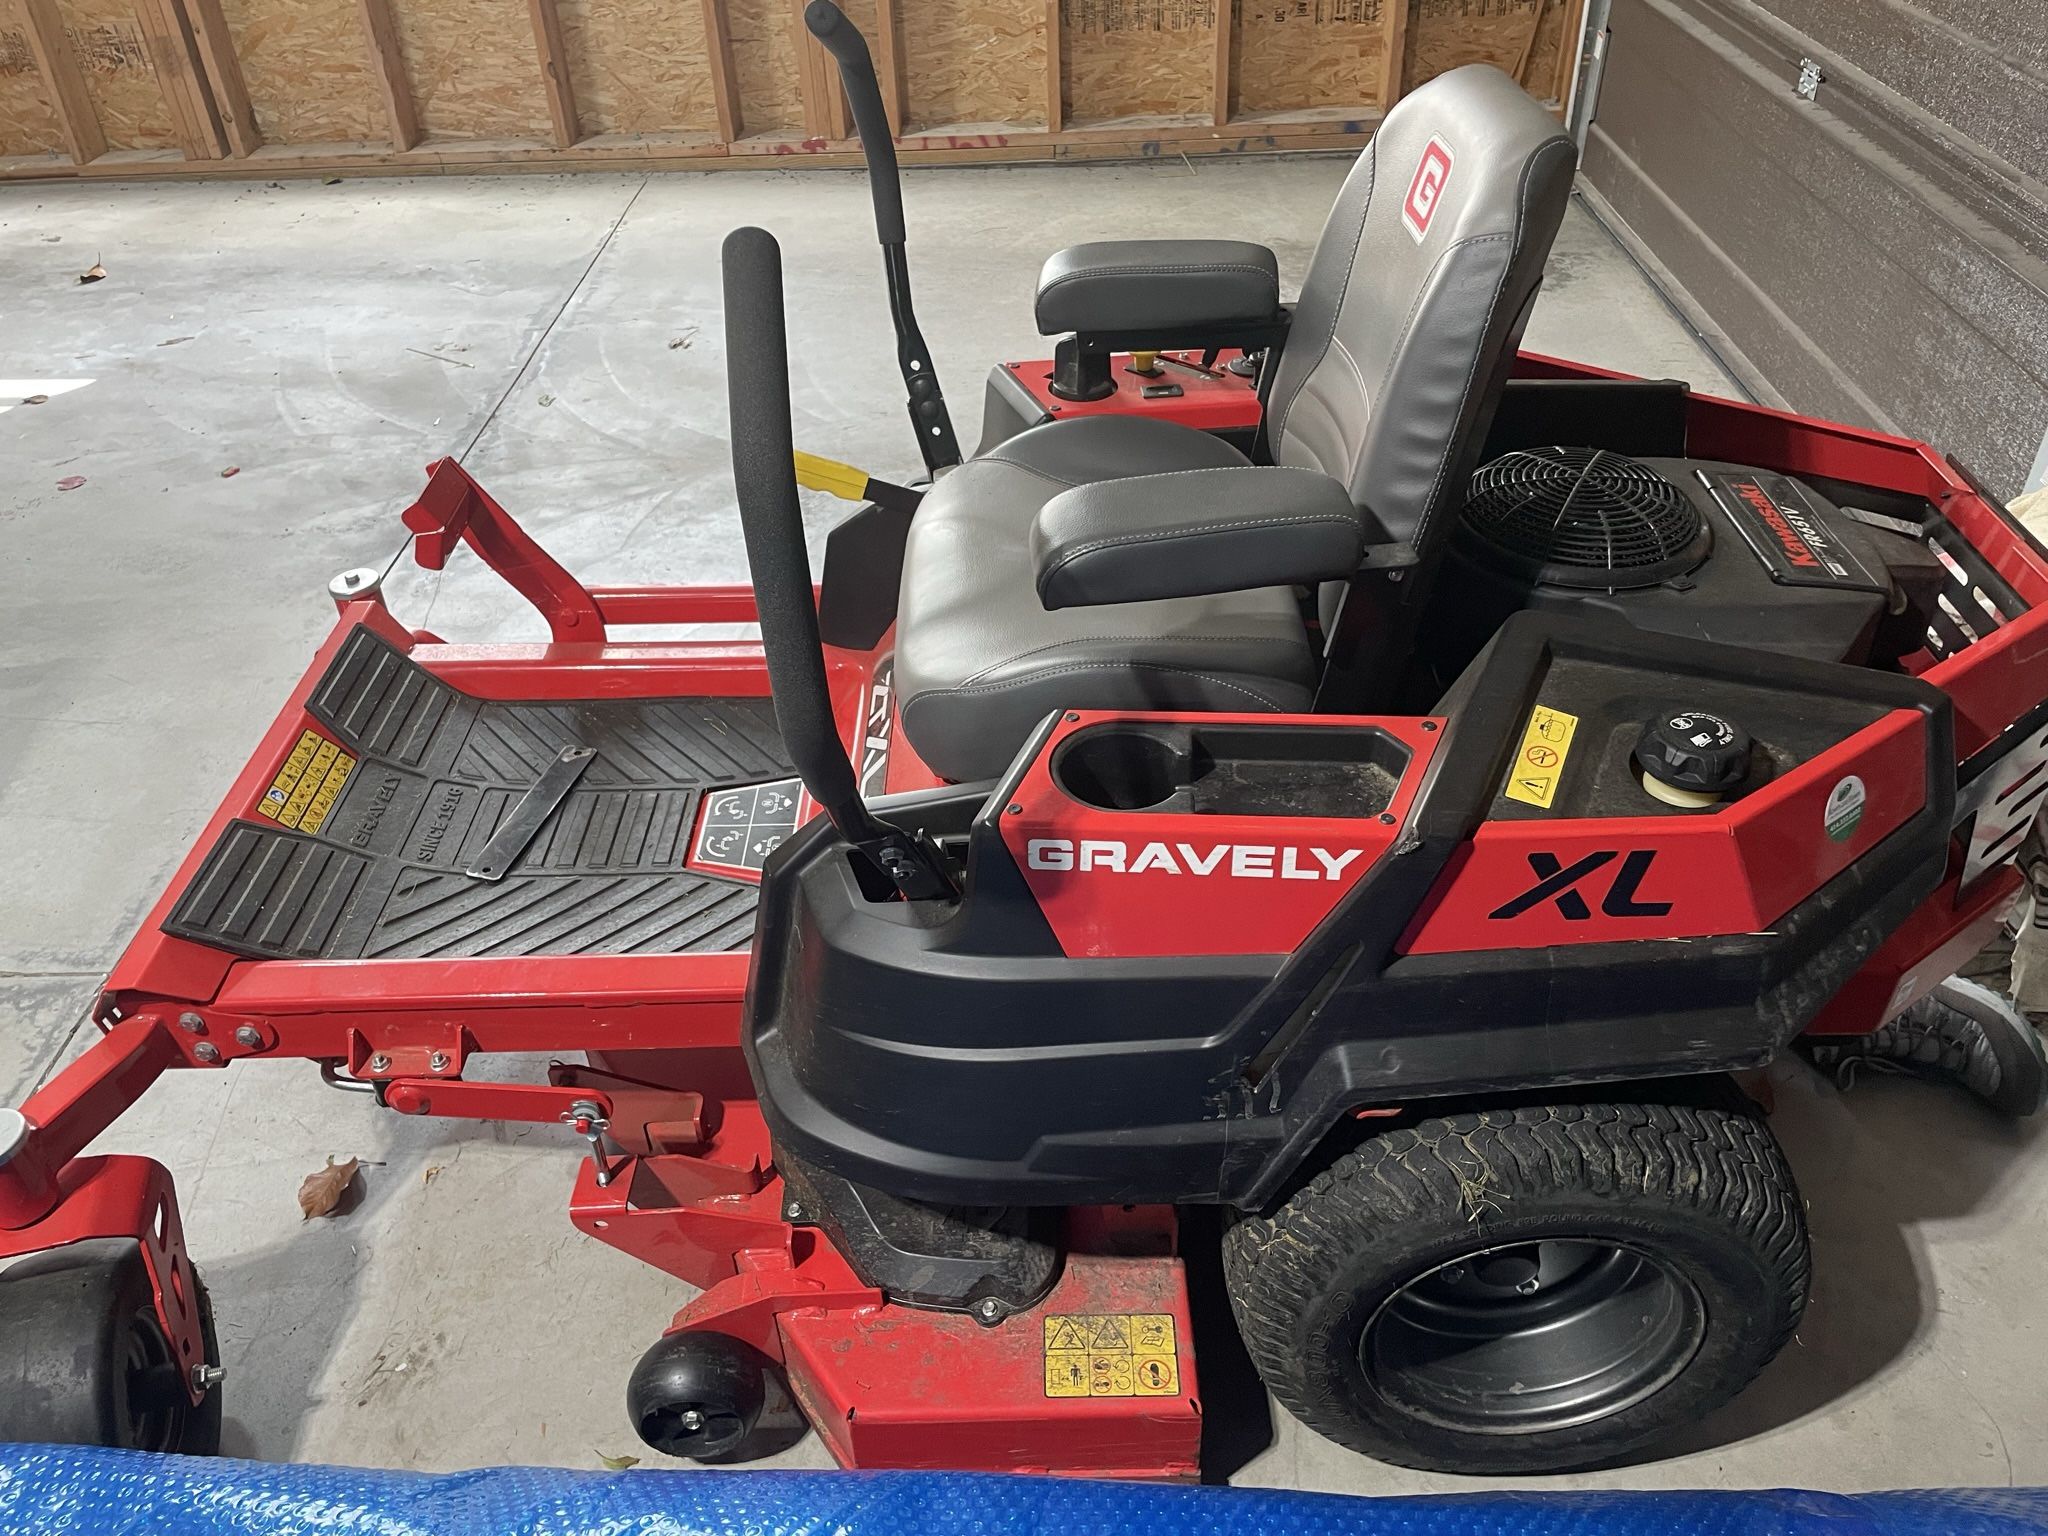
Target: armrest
x,y
1141,285
1193,531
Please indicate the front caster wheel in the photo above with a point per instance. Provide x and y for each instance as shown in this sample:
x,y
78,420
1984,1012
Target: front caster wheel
x,y
1527,1290
84,1359
708,1397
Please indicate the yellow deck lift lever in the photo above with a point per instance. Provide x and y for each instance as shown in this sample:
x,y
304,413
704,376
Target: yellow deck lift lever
x,y
850,483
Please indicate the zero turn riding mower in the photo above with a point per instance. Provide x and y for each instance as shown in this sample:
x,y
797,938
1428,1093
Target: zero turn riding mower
x,y
1311,761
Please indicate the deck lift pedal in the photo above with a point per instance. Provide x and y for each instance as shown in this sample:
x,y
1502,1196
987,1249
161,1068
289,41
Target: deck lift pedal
x,y
1379,791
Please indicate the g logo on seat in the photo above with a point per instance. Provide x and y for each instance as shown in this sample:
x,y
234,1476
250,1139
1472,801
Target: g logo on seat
x,y
1432,175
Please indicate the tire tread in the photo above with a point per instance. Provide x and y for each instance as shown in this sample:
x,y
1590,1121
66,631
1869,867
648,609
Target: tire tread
x,y
1721,1164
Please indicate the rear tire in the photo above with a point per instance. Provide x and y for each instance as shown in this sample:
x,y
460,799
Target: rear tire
x,y
84,1359
1526,1290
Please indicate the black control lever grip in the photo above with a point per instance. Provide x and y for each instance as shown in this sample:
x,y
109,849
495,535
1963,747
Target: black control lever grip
x,y
843,40
926,401
764,475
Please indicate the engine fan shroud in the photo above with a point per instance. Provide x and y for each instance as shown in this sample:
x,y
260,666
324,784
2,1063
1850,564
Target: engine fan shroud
x,y
1585,518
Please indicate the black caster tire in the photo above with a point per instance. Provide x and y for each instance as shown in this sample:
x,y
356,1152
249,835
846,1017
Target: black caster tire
x,y
1527,1290
708,1397
84,1359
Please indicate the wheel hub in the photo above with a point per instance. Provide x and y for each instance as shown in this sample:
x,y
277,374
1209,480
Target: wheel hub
x,y
1522,1338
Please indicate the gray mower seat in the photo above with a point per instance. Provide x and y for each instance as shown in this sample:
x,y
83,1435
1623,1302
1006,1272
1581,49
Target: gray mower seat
x,y
1398,352
980,661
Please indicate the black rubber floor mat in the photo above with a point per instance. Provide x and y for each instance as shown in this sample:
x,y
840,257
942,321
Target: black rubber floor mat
x,y
371,857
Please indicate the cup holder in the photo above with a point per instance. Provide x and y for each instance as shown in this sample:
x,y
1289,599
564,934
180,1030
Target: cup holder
x,y
1124,768
1206,769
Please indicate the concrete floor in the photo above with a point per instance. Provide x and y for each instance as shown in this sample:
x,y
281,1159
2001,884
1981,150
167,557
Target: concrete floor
x,y
563,336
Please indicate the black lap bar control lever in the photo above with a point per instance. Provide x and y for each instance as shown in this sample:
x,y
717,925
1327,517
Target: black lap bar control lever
x,y
928,415
764,473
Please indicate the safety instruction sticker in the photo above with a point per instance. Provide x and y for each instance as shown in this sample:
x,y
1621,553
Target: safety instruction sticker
x,y
742,826
1539,761
308,784
1110,1354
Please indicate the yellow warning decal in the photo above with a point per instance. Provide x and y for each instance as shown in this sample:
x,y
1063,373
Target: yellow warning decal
x,y
1539,761
308,784
329,791
1111,1354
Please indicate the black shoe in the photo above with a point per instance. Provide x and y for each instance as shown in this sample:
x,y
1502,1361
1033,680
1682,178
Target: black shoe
x,y
1961,1033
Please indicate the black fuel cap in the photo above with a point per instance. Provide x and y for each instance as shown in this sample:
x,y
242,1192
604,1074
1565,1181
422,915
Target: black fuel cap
x,y
1692,750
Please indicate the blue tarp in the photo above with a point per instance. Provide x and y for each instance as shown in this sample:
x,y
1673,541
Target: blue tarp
x,y
68,1491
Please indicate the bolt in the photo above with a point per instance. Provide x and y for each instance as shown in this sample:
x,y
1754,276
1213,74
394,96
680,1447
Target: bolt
x,y
1529,1286
207,1052
1429,725
691,1420
206,1377
380,1063
438,1062
249,1037
988,1309
192,1024
1072,717
792,1212
351,583
1455,1275
1016,810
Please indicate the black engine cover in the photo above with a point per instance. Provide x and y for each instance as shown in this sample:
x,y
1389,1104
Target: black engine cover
x,y
1784,571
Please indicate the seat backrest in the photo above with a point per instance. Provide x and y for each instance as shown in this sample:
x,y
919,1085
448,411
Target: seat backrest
x,y
1416,298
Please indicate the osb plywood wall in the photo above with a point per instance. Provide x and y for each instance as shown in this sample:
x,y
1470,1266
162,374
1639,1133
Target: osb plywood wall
x,y
28,123
275,87
471,67
113,51
1305,54
307,70
640,66
765,63
1138,58
974,63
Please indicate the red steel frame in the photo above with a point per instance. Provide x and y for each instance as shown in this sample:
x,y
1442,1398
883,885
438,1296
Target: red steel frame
x,y
695,1192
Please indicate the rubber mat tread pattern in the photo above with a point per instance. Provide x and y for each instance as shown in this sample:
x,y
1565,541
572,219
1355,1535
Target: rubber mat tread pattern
x,y
439,772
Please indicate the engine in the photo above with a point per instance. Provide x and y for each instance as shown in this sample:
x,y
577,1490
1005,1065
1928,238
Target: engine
x,y
1688,547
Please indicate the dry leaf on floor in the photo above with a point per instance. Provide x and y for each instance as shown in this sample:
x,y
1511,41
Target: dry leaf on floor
x,y
70,482
174,341
618,1463
92,274
35,399
231,471
683,340
430,1175
321,1192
